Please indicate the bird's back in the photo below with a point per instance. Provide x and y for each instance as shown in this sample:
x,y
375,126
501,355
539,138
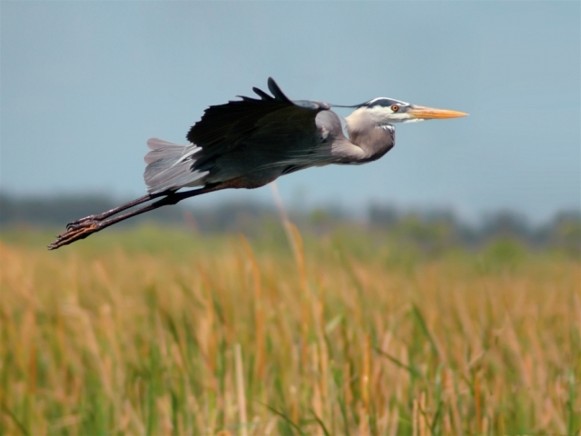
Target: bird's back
x,y
251,141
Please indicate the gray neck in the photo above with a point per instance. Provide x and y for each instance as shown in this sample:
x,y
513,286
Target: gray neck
x,y
374,139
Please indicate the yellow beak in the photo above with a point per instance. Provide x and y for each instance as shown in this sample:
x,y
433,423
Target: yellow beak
x,y
429,113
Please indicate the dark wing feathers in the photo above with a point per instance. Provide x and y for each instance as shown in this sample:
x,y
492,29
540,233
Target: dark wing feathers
x,y
276,91
260,93
225,126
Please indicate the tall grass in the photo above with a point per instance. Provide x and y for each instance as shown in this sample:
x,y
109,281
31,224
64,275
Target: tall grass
x,y
204,336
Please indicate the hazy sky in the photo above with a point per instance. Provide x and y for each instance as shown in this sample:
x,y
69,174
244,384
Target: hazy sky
x,y
84,84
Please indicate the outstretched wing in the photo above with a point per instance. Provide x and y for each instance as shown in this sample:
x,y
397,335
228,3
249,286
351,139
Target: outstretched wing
x,y
253,120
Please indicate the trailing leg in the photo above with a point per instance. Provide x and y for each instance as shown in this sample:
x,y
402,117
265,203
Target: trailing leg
x,y
86,226
103,215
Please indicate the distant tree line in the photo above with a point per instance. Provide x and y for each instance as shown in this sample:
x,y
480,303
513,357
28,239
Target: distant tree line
x,y
430,230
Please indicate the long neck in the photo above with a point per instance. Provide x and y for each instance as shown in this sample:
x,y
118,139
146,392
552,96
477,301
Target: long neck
x,y
373,138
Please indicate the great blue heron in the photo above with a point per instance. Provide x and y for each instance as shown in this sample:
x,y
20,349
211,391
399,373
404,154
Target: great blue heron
x,y
252,141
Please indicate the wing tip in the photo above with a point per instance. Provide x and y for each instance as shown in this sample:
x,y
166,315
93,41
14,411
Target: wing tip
x,y
276,91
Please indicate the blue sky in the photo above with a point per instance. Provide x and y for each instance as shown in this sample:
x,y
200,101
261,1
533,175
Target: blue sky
x,y
84,84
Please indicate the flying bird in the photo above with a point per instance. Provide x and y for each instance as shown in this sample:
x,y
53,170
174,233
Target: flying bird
x,y
250,142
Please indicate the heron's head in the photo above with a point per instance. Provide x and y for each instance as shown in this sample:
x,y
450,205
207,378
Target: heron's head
x,y
383,110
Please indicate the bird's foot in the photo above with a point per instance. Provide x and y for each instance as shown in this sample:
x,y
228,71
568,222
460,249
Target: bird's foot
x,y
73,225
76,230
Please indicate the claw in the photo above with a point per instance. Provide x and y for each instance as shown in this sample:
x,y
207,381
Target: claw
x,y
75,231
76,224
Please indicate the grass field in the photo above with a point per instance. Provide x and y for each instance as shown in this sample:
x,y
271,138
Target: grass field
x,y
165,332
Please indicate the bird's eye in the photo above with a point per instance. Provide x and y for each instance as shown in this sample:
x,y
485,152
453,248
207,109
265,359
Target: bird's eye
x,y
394,107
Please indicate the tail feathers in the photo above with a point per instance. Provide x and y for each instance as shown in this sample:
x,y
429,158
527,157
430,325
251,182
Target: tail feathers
x,y
169,166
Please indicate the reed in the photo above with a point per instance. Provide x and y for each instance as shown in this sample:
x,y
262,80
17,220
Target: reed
x,y
224,336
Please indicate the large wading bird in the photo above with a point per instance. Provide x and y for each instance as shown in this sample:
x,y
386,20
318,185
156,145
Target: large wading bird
x,y
251,142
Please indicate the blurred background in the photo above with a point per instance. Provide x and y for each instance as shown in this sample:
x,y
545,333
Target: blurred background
x,y
84,85
434,290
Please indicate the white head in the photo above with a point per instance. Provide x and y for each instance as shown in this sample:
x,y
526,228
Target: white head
x,y
385,111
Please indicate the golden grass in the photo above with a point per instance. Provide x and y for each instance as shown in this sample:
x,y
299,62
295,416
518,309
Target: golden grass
x,y
224,338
